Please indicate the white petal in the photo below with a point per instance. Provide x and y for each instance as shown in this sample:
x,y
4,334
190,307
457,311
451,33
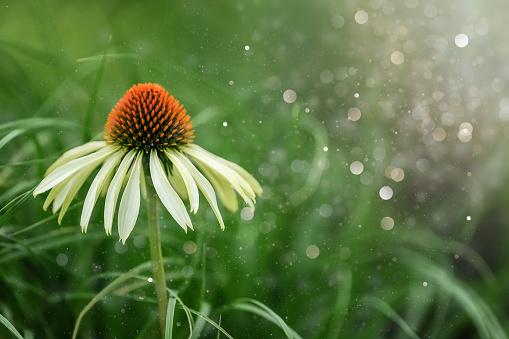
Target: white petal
x,y
75,153
76,182
223,189
201,181
97,186
114,189
241,171
69,168
204,160
192,189
53,193
167,194
130,203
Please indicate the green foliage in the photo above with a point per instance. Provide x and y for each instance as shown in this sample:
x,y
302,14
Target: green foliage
x,y
313,261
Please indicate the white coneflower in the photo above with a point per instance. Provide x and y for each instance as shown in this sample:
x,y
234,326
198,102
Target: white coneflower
x,y
147,130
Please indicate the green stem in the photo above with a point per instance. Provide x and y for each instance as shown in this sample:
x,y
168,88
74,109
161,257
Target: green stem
x,y
156,255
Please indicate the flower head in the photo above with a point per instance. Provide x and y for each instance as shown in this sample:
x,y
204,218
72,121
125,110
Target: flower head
x,y
147,130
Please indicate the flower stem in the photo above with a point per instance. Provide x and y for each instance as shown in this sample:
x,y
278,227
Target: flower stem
x,y
156,255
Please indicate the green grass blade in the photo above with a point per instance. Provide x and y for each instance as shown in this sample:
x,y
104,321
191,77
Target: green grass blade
x,y
5,140
170,315
36,123
212,322
108,289
339,311
200,323
256,307
383,307
11,207
10,327
89,114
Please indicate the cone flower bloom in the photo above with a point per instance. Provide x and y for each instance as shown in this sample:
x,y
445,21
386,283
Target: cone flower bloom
x,y
147,130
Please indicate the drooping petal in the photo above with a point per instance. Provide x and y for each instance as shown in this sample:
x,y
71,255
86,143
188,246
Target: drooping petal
x,y
241,171
192,189
53,193
167,194
97,186
76,182
204,160
130,202
66,170
75,153
201,181
114,189
223,189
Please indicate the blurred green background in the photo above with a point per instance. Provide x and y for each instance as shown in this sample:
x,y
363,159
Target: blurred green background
x,y
377,129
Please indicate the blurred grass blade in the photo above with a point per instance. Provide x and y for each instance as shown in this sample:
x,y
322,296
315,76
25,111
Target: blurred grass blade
x,y
339,312
13,205
212,322
109,288
10,136
383,307
219,332
200,323
35,123
170,315
10,327
256,307
485,321
89,117
321,138
109,56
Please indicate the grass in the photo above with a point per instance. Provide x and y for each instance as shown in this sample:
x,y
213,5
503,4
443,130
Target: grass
x,y
313,261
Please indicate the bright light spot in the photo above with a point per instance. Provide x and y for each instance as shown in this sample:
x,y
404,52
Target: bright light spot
x,y
361,17
387,223
354,114
356,167
150,280
326,76
231,82
225,124
62,259
187,271
481,28
424,284
344,253
289,96
246,213
498,84
356,95
264,227
469,218
247,48
189,247
379,153
422,164
439,134
325,148
461,40
465,132
291,257
386,193
397,174
312,251
397,58
366,178
121,248
325,210
337,21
